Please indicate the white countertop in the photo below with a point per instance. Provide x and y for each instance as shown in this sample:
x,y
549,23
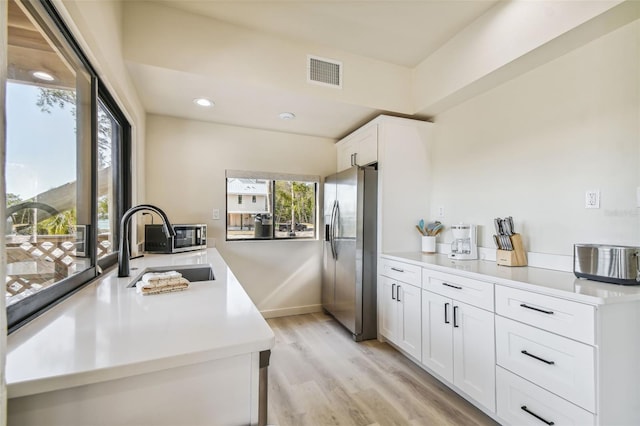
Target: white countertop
x,y
545,281
108,331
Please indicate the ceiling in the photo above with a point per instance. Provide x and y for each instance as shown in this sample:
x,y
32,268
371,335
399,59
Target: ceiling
x,y
398,33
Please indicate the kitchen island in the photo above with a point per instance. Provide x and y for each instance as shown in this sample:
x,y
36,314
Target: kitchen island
x,y
110,356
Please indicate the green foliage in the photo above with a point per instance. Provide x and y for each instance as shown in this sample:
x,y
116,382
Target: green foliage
x,y
60,224
103,207
295,199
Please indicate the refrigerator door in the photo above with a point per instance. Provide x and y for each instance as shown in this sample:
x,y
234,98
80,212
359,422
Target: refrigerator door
x,y
347,246
328,262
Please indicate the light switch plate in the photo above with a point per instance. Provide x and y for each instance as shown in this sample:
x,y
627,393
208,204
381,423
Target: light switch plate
x,y
216,214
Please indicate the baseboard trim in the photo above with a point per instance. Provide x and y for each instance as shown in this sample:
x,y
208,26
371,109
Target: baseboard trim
x,y
285,312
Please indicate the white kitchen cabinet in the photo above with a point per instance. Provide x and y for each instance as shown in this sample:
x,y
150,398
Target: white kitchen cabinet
x,y
399,307
404,181
580,337
556,363
400,315
457,344
359,148
401,149
522,403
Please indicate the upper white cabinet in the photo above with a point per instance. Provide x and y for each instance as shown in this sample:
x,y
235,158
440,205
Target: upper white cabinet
x,y
359,148
403,182
400,147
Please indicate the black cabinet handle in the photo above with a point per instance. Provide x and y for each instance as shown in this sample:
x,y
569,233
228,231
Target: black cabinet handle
x,y
398,293
525,409
537,357
446,313
452,286
397,270
455,316
393,291
536,309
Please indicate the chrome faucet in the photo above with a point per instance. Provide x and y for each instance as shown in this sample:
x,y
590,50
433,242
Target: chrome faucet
x,y
123,253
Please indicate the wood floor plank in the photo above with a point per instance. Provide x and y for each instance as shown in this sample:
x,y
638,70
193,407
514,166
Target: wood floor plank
x,y
319,376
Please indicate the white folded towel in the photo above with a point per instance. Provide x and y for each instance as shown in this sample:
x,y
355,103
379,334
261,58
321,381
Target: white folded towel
x,y
144,288
154,278
161,282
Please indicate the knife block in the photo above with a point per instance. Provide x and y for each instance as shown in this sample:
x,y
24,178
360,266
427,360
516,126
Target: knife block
x,y
515,257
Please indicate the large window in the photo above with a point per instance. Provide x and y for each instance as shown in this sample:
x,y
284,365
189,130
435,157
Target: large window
x,y
282,206
63,160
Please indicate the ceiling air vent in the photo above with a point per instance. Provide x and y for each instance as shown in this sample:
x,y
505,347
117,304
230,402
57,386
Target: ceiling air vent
x,y
325,72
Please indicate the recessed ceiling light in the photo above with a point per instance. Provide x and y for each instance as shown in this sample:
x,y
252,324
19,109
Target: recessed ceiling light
x,y
287,116
41,75
203,102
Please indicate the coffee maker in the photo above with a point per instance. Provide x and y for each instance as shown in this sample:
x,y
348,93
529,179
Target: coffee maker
x,y
465,243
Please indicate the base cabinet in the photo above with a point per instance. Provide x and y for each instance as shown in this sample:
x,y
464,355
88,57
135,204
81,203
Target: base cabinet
x,y
218,392
458,344
400,315
520,402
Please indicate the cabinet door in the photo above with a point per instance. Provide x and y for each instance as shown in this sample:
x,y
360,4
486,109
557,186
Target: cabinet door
x,y
474,353
410,330
437,337
366,146
389,308
345,150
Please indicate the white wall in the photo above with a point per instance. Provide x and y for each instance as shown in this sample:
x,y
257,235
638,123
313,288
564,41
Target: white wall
x,y
509,39
531,147
186,163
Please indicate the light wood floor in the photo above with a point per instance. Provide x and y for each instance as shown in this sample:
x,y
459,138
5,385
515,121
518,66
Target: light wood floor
x,y
319,376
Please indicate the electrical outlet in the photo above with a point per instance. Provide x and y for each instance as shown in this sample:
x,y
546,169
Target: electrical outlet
x,y
216,214
440,212
592,199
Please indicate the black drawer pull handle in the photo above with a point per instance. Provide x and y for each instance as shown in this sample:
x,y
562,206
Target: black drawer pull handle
x,y
398,293
524,408
452,286
536,309
397,270
446,313
393,291
538,358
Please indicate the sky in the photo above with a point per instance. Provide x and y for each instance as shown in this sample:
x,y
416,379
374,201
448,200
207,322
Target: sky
x,y
41,147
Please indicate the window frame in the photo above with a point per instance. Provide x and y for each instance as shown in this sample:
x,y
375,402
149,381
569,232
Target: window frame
x,y
27,309
272,177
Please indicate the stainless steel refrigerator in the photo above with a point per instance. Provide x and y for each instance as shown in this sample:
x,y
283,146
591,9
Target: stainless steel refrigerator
x,y
349,269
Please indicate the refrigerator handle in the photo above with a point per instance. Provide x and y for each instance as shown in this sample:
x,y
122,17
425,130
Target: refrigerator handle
x,y
335,225
330,234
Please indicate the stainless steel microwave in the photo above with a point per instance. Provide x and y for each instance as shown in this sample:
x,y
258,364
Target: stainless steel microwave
x,y
188,237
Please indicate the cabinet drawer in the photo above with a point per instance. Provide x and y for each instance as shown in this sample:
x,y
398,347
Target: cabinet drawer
x,y
564,317
522,403
560,365
410,274
472,292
